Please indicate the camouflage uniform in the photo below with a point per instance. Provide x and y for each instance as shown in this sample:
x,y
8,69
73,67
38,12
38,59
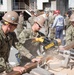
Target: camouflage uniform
x,y
69,34
27,47
6,42
27,37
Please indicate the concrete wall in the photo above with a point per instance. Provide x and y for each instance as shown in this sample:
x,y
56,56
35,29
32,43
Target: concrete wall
x,y
71,3
62,5
4,6
7,6
40,4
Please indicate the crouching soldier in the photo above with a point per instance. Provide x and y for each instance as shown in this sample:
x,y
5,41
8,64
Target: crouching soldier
x,y
26,49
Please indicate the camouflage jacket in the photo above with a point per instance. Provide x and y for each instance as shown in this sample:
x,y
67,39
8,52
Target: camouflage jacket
x,y
25,48
6,41
69,34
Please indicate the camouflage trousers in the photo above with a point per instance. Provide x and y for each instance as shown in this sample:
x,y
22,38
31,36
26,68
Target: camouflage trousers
x,y
3,73
4,66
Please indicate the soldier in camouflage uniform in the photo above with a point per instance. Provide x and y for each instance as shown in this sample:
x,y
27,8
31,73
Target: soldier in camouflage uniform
x,y
7,39
48,23
69,35
28,34
51,20
70,32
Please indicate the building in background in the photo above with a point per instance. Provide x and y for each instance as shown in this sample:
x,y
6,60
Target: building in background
x,y
16,5
61,5
29,5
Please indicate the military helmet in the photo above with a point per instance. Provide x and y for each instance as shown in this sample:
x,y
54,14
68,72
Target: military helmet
x,y
11,17
57,12
40,19
71,17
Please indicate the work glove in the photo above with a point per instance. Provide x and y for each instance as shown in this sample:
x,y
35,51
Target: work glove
x,y
40,39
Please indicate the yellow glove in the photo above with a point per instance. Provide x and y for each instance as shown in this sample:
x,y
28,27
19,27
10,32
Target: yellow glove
x,y
40,39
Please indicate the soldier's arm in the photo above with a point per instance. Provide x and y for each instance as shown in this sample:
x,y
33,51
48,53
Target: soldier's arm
x,y
23,51
69,46
20,45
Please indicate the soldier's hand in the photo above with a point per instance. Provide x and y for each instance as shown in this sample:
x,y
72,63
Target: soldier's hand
x,y
19,69
40,39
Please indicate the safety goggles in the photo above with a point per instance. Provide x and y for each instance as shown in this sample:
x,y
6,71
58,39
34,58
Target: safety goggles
x,y
7,23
